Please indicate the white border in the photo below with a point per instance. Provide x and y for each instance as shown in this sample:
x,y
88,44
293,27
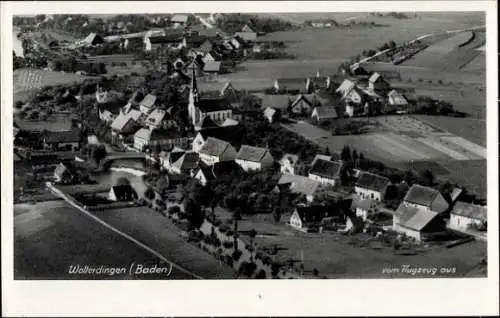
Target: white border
x,y
264,298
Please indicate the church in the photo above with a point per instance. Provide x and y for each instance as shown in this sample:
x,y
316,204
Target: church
x,y
218,109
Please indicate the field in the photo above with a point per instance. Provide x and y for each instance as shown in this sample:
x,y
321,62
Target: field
x,y
333,256
54,123
29,79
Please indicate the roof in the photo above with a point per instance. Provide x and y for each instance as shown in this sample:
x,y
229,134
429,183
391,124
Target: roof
x,y
306,98
213,105
91,38
179,18
421,195
247,36
189,160
472,211
292,83
143,133
156,116
374,77
134,114
269,112
293,159
326,169
325,112
315,213
324,157
169,38
372,181
246,28
214,147
124,191
365,204
61,169
120,122
62,136
398,97
414,218
230,122
211,66
346,86
299,184
206,122
250,153
148,101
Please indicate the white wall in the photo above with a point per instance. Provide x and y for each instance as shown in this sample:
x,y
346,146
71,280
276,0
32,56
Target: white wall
x,y
460,222
321,179
369,194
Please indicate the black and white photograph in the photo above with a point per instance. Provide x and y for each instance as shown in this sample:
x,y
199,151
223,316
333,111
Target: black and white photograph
x,y
245,145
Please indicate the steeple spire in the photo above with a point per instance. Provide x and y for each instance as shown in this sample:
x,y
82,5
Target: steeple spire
x,y
194,86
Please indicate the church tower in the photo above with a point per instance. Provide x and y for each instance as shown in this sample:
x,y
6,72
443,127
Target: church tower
x,y
193,98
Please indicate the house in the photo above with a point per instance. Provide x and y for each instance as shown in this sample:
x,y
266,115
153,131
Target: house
x,y
322,157
107,116
364,208
371,186
229,92
463,215
205,123
237,43
216,150
356,69
300,185
206,46
302,104
247,28
218,109
153,43
159,118
147,104
316,83
231,134
212,67
186,163
320,114
229,122
206,173
291,164
62,140
396,99
122,193
179,20
425,198
125,123
93,39
377,84
247,36
278,101
167,158
168,138
308,218
63,174
417,223
254,158
326,171
345,87
271,114
192,41
291,85
212,56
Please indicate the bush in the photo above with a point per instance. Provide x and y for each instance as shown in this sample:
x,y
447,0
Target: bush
x,y
247,269
261,274
236,255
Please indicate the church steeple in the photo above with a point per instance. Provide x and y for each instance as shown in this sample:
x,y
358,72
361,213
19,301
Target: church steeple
x,y
193,98
194,87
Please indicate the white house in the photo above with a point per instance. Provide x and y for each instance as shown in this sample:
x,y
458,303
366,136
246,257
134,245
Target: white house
x,y
425,198
216,150
365,208
291,164
159,137
325,171
187,163
417,223
464,215
323,113
396,99
377,84
147,104
371,186
159,118
301,185
270,114
231,134
122,193
254,158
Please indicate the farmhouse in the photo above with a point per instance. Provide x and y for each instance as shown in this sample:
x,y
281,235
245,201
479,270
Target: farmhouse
x,y
311,217
320,114
325,171
291,85
62,140
345,87
371,186
396,99
159,118
147,104
291,164
417,223
125,123
159,137
254,158
122,193
231,134
364,208
464,215
317,83
156,42
216,150
237,42
302,104
299,184
426,199
63,174
377,84
212,56
187,163
207,173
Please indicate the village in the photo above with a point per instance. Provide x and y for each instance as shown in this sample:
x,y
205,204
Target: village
x,y
226,167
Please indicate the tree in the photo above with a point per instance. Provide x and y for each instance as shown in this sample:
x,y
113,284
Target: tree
x,y
345,155
149,193
162,184
327,152
122,181
276,214
194,213
99,153
426,178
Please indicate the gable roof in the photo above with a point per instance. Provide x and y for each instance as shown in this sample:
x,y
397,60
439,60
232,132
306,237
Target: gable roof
x,y
120,122
246,28
62,169
421,195
179,18
316,212
230,122
250,153
247,36
168,38
214,147
345,87
364,204
374,77
62,136
414,218
189,160
143,133
292,83
372,181
326,169
156,116
325,112
213,105
269,112
148,101
472,211
301,97
323,157
231,134
206,122
281,101
299,184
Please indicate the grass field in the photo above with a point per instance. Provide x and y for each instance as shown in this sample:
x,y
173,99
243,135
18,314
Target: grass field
x,y
54,123
51,236
29,79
